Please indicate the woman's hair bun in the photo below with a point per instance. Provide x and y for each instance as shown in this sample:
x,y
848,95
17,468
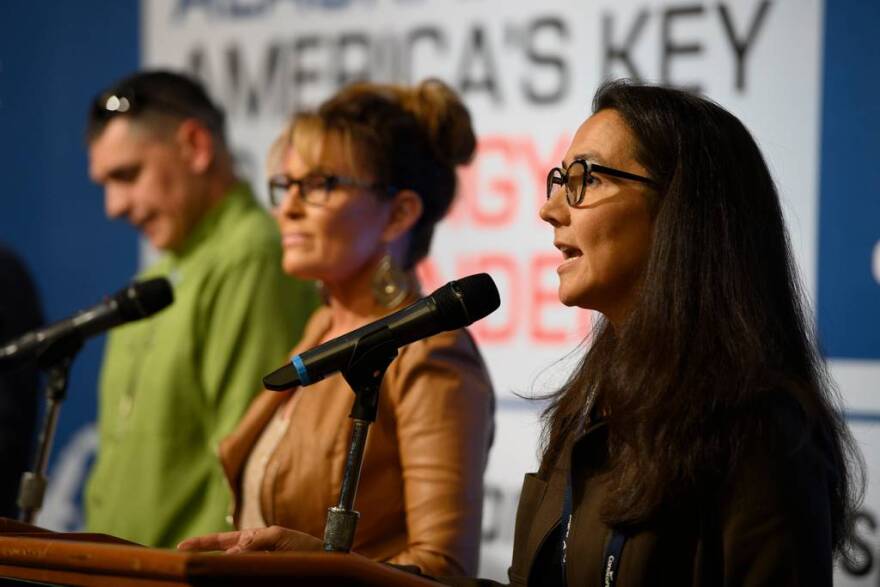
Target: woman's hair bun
x,y
445,118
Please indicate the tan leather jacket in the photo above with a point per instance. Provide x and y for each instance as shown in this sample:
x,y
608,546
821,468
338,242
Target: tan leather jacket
x,y
421,489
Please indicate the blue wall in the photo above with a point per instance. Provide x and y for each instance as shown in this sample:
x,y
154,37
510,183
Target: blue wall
x,y
849,208
53,58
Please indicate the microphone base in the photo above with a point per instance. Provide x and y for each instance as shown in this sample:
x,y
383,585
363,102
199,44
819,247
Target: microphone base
x,y
373,354
33,483
340,529
30,495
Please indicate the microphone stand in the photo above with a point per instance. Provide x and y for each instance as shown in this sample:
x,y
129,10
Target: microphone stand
x,y
56,360
364,374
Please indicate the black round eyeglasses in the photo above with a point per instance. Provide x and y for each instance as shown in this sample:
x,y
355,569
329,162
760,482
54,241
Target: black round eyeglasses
x,y
579,174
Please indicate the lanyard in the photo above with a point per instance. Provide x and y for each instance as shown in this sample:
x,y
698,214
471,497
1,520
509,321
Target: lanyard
x,y
565,522
614,547
613,550
613,554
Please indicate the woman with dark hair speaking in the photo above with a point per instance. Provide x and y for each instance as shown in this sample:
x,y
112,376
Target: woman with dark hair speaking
x,y
698,442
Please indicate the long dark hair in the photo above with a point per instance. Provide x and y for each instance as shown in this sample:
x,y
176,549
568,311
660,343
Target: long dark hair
x,y
719,327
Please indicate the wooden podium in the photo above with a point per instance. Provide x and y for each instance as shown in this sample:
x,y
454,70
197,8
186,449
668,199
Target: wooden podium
x,y
28,553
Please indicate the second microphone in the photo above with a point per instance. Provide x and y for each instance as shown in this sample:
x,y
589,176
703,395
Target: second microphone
x,y
455,305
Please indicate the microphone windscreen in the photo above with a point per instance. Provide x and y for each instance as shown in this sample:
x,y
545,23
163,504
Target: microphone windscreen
x,y
144,298
464,301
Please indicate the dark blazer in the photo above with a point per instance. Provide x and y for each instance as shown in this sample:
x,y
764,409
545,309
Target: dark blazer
x,y
19,312
766,523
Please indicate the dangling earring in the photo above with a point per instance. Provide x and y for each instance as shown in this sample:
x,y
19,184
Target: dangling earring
x,y
391,285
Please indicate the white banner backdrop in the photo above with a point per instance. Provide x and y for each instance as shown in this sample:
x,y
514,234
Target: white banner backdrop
x,y
527,70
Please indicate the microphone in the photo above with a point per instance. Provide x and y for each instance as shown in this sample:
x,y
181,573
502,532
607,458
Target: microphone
x,y
139,300
455,305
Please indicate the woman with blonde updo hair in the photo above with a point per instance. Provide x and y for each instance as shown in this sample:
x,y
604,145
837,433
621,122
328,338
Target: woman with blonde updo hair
x,y
365,180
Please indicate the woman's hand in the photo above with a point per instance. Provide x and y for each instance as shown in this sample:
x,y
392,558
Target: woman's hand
x,y
254,540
